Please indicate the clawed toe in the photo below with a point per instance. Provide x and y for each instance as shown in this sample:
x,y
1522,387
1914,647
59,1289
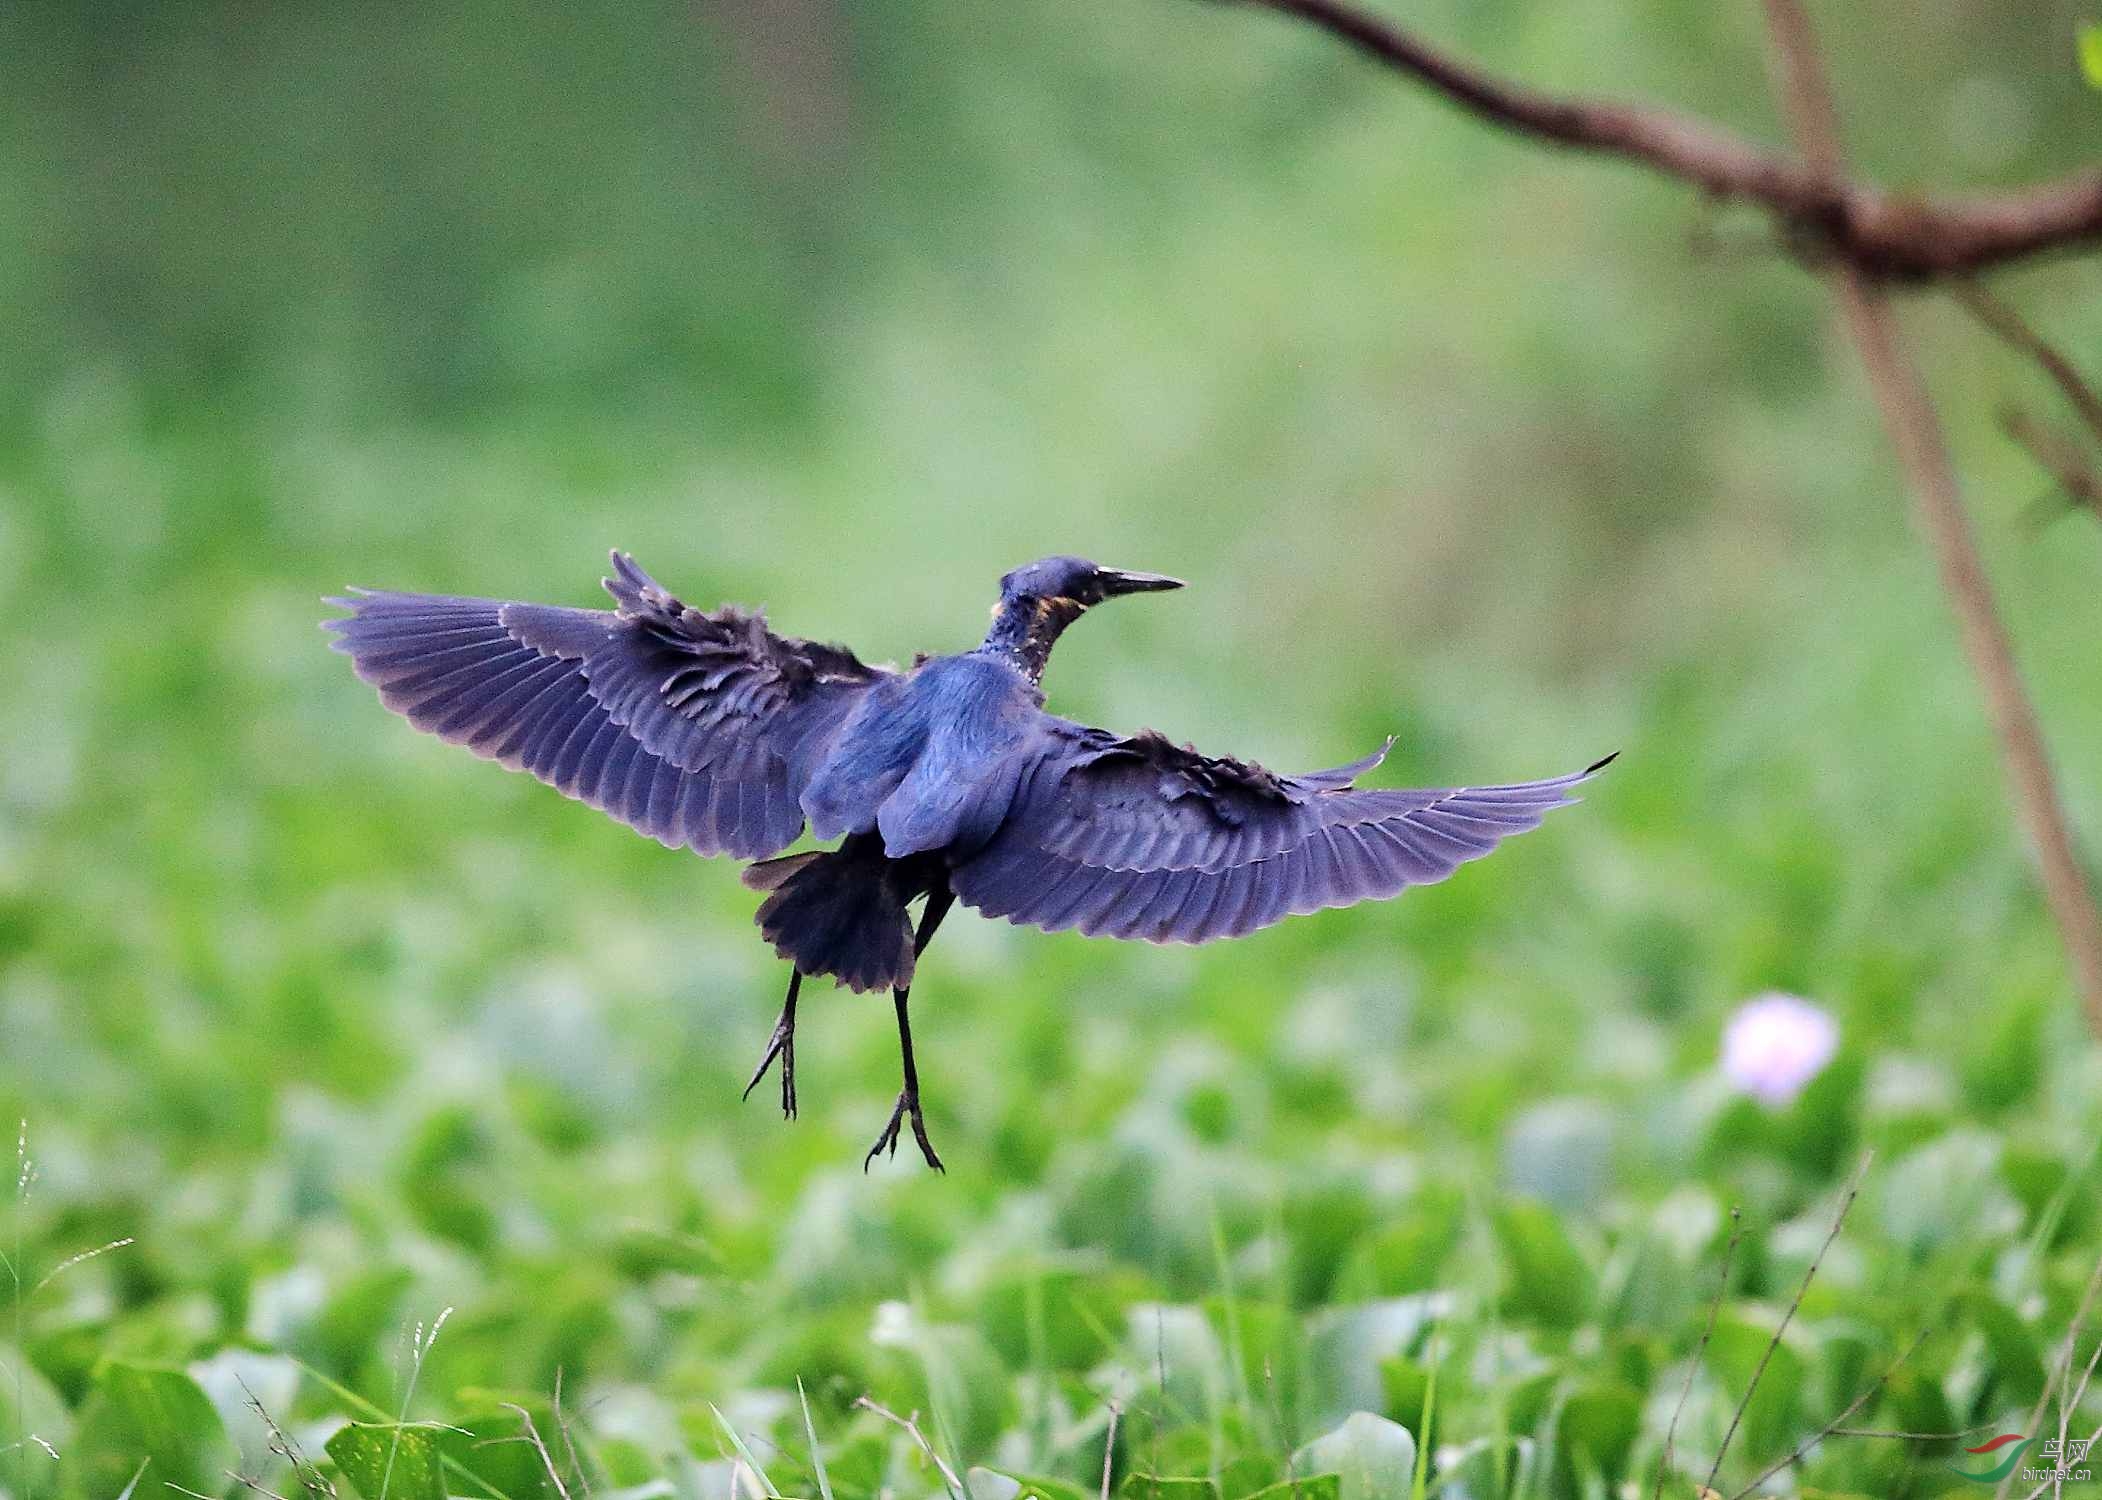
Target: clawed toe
x,y
908,1105
782,1046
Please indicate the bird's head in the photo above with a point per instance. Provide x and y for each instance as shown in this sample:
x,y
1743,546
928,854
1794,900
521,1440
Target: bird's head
x,y
1042,599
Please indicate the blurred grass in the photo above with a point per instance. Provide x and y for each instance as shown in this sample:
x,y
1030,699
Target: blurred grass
x,y
847,310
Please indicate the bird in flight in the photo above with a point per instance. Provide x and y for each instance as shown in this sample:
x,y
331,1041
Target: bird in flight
x,y
945,783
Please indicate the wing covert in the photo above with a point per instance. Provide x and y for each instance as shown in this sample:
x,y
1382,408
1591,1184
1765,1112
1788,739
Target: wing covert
x,y
1139,838
696,728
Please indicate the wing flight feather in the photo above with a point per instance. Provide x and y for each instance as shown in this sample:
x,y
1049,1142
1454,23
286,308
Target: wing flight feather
x,y
1140,838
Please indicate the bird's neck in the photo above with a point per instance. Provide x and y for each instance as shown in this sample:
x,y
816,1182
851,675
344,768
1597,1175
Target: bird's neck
x,y
1025,630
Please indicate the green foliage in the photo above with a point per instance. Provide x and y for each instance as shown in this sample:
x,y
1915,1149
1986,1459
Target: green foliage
x,y
390,1461
142,1414
1371,1457
1455,440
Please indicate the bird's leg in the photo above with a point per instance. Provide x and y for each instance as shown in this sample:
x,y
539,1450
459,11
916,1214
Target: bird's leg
x,y
908,1105
782,1046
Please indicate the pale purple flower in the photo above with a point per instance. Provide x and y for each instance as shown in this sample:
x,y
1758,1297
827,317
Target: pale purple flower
x,y
1775,1044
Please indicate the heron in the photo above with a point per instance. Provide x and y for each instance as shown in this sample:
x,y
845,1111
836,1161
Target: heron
x,y
950,781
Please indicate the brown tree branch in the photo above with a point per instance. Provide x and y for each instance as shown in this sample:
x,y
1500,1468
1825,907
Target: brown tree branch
x,y
1923,453
1886,235
1866,237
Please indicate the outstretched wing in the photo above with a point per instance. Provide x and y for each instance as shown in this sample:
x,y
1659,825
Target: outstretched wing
x,y
699,729
1139,838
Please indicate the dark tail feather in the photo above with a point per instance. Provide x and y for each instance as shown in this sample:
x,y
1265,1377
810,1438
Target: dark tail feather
x,y
840,913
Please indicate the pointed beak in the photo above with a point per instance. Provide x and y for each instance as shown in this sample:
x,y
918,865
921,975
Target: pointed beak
x,y
1116,581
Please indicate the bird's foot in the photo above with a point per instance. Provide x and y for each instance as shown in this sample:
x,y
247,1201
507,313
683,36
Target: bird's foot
x,y
908,1106
782,1046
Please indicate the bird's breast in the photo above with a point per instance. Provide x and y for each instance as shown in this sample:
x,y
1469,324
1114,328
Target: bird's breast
x,y
930,761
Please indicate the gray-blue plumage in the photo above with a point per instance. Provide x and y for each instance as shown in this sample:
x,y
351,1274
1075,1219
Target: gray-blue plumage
x,y
705,730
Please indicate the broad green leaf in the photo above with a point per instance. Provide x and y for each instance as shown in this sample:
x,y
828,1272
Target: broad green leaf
x,y
991,1484
231,1380
147,1413
1314,1487
1371,1457
1549,1279
1775,1408
1153,1487
2017,1361
1408,1255
386,1461
1600,1423
492,1453
2091,54
26,1465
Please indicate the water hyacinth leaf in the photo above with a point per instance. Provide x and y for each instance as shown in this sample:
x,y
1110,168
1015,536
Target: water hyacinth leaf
x,y
991,1484
1549,1279
1179,1347
146,1413
2018,1363
1945,1192
236,1381
1485,1469
1406,1394
489,1450
1060,1312
1818,1134
1371,1457
2003,1053
984,1484
1598,1426
1153,1487
1324,1220
1246,1458
1408,1255
39,1414
1314,1487
1776,1406
1269,1341
399,1462
1347,1348
1561,1152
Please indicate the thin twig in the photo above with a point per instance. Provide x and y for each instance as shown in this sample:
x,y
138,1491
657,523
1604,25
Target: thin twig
x,y
1693,1365
2061,1363
2053,1483
1923,453
255,1486
2005,323
1902,236
547,1459
312,1480
2068,1405
1846,1204
569,1445
1832,1427
2057,456
911,1425
1109,1446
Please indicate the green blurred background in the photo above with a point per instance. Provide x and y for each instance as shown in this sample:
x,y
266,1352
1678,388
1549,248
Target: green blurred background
x,y
846,309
